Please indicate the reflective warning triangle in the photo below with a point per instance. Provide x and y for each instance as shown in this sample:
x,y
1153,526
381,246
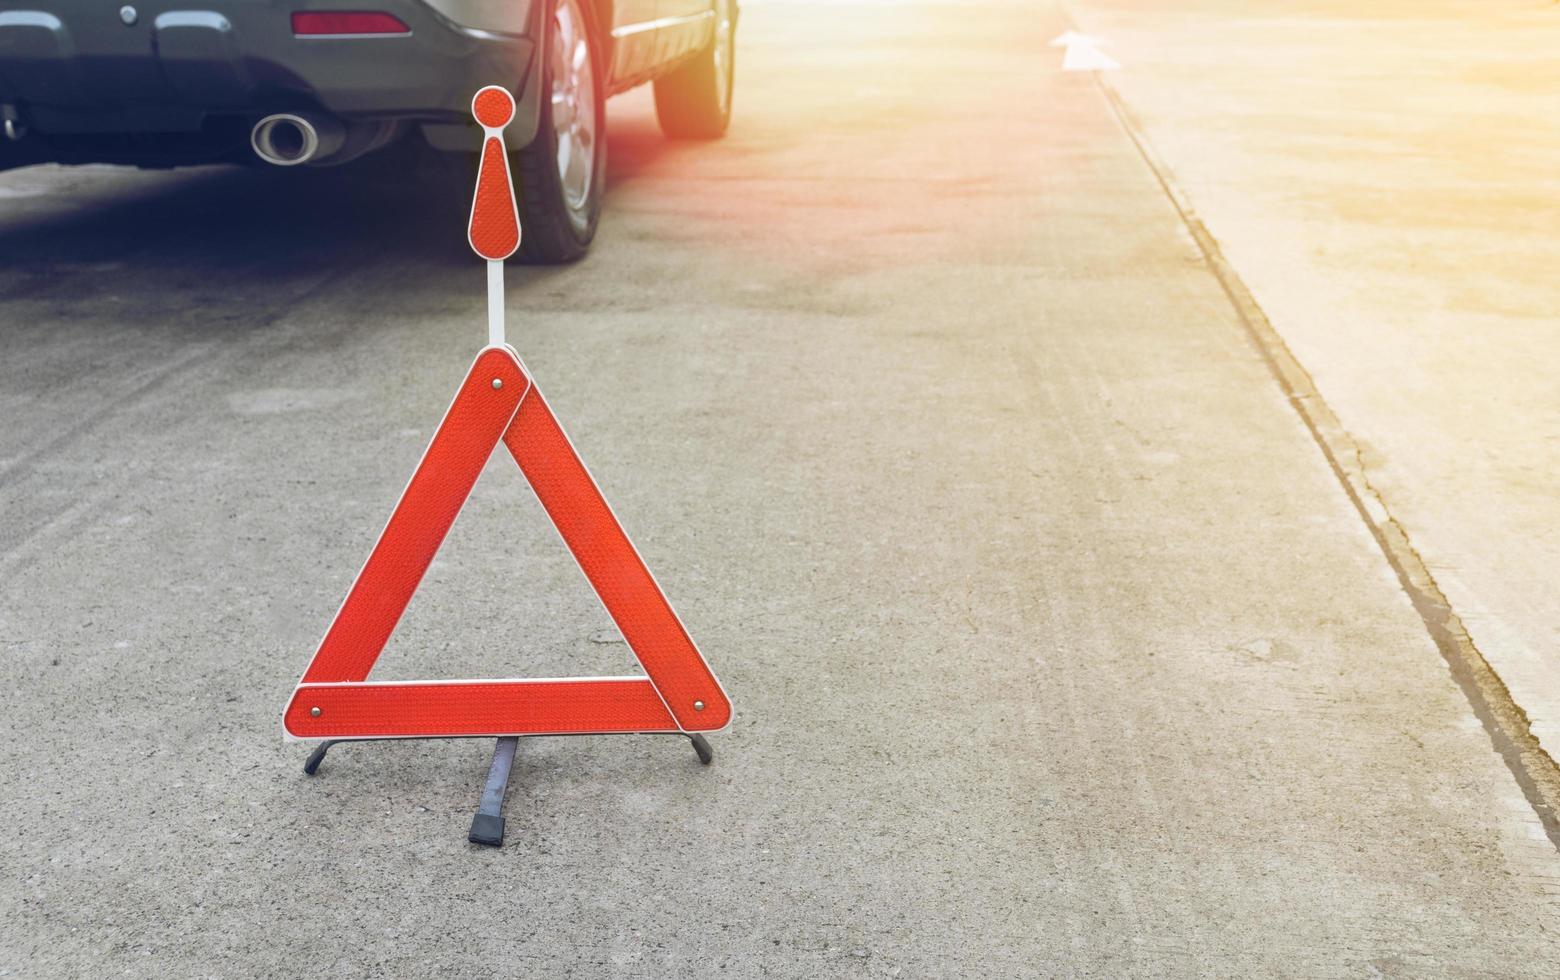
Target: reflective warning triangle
x,y
498,401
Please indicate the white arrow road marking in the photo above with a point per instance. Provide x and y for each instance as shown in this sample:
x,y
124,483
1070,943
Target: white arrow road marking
x,y
1083,53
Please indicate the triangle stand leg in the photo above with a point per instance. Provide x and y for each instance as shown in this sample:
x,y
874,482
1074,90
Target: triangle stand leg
x,y
487,827
312,764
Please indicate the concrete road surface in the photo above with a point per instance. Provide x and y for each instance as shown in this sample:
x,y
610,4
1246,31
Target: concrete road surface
x,y
1058,645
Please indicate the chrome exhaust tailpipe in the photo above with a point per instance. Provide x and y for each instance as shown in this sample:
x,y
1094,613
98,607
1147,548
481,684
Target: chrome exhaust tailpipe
x,y
14,128
287,139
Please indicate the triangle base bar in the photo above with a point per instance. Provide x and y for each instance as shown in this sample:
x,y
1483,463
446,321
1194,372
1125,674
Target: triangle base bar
x,y
463,709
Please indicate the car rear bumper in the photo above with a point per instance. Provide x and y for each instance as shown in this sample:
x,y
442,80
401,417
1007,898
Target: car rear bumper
x,y
69,68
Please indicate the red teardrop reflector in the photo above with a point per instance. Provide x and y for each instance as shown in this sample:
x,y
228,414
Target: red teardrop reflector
x,y
494,231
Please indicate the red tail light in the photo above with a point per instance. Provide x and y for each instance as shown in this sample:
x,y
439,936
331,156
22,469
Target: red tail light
x,y
317,22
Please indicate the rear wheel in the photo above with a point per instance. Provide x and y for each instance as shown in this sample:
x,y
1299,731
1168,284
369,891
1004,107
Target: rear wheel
x,y
694,102
560,176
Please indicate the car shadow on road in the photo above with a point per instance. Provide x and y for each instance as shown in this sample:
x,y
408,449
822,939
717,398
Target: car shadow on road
x,y
135,231
635,147
225,218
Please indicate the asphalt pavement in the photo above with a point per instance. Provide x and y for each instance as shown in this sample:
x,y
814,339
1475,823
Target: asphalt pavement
x,y
1057,645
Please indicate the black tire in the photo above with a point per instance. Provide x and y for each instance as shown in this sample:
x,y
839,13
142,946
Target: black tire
x,y
552,232
694,101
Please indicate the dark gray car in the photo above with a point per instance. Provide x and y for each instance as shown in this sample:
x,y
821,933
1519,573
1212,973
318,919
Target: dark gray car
x,y
319,82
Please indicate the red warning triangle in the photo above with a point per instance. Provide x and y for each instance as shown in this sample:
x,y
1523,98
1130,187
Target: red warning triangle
x,y
498,401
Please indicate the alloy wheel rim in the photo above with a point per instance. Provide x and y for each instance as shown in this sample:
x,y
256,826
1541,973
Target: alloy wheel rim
x,y
723,52
573,99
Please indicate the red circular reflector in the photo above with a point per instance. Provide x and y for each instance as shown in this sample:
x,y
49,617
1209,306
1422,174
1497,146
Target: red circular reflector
x,y
493,107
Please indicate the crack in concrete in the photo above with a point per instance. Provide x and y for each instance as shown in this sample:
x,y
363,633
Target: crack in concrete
x,y
1507,725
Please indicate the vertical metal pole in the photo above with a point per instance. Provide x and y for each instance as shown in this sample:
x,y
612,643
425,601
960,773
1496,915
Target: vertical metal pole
x,y
495,302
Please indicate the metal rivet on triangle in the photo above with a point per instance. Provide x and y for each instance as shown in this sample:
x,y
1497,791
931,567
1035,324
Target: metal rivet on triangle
x,y
497,383
314,712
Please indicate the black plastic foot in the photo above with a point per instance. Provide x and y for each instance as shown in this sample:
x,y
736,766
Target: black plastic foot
x,y
702,747
311,765
487,827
